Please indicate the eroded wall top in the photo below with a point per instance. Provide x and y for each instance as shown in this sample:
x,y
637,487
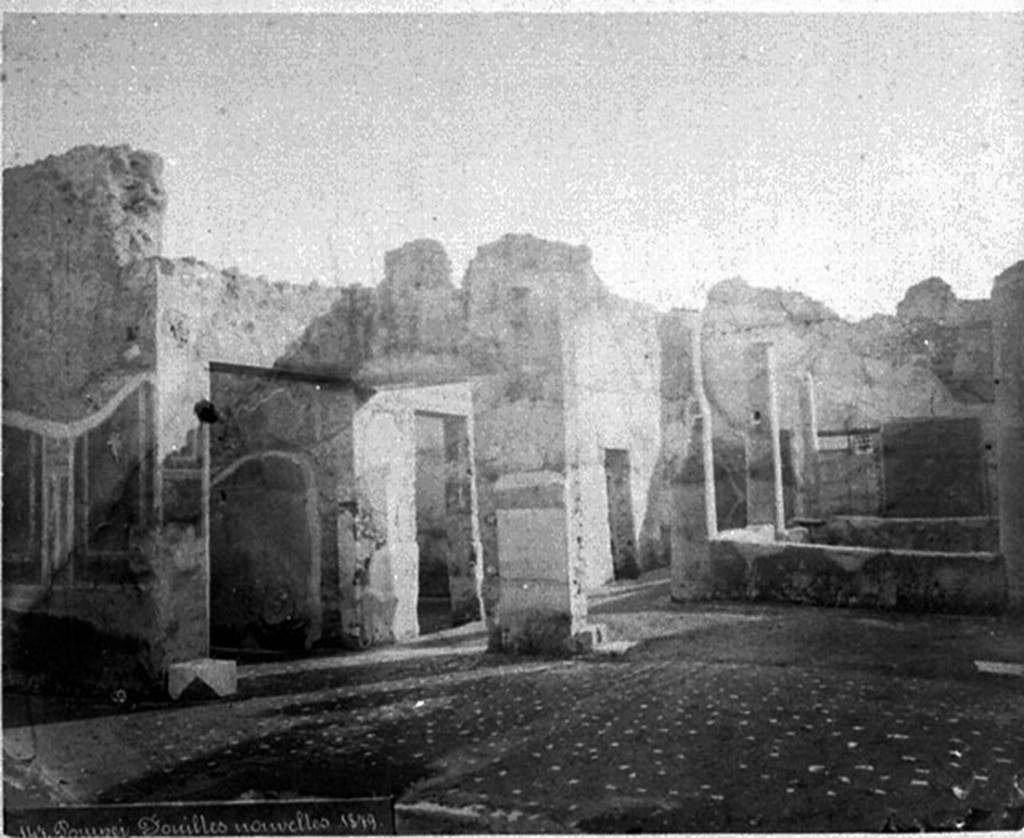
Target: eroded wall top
x,y
206,315
865,373
77,319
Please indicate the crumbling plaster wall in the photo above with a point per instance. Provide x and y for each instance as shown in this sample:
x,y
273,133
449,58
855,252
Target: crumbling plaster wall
x,y
1008,308
76,316
861,380
953,335
205,315
865,373
518,291
419,321
612,401
678,496
78,326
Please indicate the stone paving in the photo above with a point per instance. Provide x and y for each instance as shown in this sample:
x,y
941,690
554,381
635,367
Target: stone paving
x,y
725,718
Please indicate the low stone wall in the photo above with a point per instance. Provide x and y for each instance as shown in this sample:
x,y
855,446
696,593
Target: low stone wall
x,y
815,574
944,535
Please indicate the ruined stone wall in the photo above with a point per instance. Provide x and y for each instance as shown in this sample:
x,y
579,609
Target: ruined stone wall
x,y
955,338
951,535
953,335
860,380
613,402
516,290
107,351
79,354
420,310
1008,307
865,374
419,324
208,316
205,315
677,510
77,320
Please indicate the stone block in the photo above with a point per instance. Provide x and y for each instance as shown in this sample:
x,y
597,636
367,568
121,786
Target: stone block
x,y
204,677
587,638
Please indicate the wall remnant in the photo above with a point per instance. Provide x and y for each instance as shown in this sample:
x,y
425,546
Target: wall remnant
x,y
932,535
748,568
75,316
1008,311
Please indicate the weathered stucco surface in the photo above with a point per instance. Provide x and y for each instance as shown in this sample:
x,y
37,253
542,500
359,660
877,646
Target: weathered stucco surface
x,y
612,401
863,373
77,321
205,315
79,380
514,289
573,372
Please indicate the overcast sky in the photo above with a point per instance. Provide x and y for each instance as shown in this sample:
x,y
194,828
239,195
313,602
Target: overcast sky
x,y
846,156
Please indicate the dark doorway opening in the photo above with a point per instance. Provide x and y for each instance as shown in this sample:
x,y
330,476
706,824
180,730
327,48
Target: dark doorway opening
x,y
444,523
621,526
434,606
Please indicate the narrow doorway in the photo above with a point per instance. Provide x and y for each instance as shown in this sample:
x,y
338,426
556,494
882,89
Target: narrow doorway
x,y
434,606
444,523
621,528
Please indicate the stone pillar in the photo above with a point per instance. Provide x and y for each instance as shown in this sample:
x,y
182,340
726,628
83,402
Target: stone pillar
x,y
706,433
539,600
693,494
760,461
463,551
809,414
775,428
769,447
1008,344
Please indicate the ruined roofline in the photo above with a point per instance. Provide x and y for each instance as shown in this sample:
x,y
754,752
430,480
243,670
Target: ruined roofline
x,y
736,290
